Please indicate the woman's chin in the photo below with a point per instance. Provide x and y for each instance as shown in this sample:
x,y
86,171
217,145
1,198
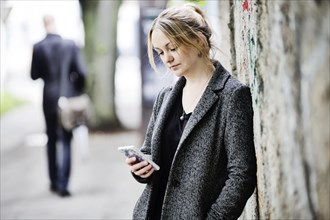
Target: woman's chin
x,y
177,73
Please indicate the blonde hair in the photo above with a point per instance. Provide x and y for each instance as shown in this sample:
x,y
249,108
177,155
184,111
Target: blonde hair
x,y
182,25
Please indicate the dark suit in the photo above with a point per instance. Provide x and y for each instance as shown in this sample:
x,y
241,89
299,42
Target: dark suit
x,y
59,64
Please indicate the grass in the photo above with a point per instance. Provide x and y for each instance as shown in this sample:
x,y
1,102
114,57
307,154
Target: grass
x,y
8,102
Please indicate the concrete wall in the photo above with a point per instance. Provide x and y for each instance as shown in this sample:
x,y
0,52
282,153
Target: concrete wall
x,y
281,49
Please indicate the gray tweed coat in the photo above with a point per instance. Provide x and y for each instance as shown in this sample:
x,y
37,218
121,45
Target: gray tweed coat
x,y
214,168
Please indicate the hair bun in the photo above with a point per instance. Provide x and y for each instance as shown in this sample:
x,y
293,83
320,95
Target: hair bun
x,y
196,9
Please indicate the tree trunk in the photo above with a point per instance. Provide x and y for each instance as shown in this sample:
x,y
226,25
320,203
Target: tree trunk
x,y
100,22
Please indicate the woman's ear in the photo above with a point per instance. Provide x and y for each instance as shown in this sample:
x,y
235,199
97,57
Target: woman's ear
x,y
201,40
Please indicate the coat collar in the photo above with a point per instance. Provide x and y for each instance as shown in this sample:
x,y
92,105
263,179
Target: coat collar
x,y
219,78
53,35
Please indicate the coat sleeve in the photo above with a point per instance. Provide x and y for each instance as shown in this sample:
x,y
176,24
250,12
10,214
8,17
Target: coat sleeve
x,y
241,166
36,64
146,147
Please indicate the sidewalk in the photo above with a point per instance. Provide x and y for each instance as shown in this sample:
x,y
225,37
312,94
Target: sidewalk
x,y
101,184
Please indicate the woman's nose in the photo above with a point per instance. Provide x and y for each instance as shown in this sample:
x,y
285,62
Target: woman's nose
x,y
168,58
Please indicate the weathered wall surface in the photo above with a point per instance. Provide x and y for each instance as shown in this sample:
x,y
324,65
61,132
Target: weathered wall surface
x,y
281,49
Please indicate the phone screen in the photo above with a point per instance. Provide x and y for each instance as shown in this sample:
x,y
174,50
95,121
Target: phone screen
x,y
131,153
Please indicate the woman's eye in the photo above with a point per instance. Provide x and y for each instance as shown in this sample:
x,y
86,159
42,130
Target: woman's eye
x,y
173,49
160,53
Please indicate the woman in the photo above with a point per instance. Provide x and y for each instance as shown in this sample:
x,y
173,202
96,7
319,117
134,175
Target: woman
x,y
200,131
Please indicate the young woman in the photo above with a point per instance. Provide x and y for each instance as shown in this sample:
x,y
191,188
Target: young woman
x,y
200,131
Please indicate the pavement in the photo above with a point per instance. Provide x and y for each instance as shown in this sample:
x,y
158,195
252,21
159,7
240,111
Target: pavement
x,y
101,184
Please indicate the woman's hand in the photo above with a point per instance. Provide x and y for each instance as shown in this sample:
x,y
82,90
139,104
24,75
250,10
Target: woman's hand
x,y
142,169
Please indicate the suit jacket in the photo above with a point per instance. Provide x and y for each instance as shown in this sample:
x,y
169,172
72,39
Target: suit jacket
x,y
55,60
214,168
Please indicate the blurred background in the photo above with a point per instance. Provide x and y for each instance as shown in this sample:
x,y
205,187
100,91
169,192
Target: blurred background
x,y
279,48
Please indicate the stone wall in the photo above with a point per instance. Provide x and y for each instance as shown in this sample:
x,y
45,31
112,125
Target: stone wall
x,y
281,49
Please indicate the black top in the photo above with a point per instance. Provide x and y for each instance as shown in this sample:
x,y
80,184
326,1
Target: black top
x,y
170,139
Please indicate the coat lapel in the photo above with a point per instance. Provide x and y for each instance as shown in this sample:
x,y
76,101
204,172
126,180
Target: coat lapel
x,y
207,100
164,112
203,106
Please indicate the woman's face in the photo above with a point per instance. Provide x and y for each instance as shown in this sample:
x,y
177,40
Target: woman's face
x,y
181,60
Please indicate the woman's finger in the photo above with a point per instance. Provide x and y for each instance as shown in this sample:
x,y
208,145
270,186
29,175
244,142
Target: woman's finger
x,y
143,171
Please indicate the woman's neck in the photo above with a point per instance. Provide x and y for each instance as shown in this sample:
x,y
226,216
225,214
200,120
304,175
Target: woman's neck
x,y
194,89
199,76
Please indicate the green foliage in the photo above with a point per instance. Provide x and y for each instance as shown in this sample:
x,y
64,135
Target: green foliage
x,y
175,2
198,2
8,102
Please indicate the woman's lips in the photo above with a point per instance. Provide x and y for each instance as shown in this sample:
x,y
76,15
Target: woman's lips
x,y
174,66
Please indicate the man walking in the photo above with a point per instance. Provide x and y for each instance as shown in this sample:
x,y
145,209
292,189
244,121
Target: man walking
x,y
59,64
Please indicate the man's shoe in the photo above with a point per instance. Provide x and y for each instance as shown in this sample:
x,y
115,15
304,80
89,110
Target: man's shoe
x,y
53,188
64,193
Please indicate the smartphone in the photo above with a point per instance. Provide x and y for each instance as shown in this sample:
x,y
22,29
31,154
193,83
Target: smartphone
x,y
132,151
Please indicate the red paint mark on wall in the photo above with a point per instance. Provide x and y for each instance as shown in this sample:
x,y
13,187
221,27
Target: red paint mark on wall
x,y
246,5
